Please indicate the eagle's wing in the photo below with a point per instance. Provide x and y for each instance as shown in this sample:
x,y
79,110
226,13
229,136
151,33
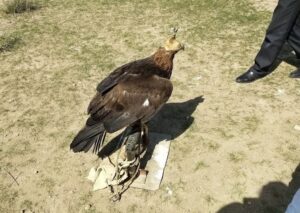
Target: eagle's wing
x,y
114,77
136,97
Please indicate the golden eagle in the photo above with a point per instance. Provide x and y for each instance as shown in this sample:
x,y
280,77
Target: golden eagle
x,y
130,96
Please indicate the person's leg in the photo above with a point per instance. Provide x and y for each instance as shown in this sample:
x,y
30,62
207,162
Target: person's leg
x,y
283,20
294,37
294,41
294,206
284,17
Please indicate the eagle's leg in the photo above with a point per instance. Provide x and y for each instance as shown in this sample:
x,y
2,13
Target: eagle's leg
x,y
121,142
137,141
145,137
132,142
133,147
123,139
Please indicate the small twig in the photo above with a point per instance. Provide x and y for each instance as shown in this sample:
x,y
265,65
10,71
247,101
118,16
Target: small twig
x,y
111,161
15,179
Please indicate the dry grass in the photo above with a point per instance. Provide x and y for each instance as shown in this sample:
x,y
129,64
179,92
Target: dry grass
x,y
225,149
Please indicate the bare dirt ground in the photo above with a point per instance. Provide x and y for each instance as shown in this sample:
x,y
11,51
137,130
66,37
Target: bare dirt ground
x,y
234,146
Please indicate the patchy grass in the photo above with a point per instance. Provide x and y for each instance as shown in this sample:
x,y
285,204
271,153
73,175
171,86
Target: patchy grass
x,y
238,189
252,123
69,46
209,199
8,42
21,6
47,184
27,204
236,157
200,165
289,151
8,197
132,208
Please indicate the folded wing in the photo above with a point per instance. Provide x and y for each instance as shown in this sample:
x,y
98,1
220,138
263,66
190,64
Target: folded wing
x,y
134,98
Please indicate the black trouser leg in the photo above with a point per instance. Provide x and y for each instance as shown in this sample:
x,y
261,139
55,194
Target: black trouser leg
x,y
283,20
294,37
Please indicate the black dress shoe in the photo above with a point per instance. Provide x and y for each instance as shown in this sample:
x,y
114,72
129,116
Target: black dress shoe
x,y
249,76
295,74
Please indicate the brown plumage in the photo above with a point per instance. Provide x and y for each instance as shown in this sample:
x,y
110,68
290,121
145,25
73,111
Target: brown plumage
x,y
132,94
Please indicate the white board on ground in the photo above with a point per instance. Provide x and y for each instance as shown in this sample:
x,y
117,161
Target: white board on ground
x,y
154,162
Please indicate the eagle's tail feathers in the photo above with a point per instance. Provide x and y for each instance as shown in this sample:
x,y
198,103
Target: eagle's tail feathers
x,y
88,137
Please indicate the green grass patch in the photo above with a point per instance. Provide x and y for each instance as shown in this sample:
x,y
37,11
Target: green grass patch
x,y
200,165
236,157
21,6
8,42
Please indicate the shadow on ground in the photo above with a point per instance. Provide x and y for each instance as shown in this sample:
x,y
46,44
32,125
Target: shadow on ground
x,y
172,120
274,198
175,118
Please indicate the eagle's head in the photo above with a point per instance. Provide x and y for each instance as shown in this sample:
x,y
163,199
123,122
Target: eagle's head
x,y
164,56
172,44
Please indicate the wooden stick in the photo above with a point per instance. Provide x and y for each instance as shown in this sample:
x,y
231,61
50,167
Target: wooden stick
x,y
15,180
